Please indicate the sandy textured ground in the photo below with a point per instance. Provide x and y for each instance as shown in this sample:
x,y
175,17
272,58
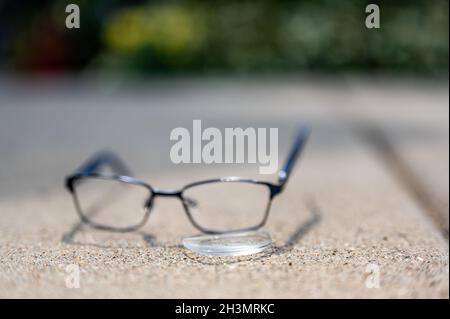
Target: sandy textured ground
x,y
345,211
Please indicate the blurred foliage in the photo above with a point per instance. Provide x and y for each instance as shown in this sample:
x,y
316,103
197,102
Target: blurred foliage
x,y
236,36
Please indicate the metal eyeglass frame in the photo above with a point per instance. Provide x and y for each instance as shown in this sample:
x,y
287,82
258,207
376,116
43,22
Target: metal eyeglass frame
x,y
122,174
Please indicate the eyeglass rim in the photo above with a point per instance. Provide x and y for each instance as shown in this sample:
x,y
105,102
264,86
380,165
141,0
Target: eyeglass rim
x,y
71,180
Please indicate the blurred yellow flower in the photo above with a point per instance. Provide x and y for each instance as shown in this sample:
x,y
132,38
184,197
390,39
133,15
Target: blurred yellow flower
x,y
125,31
170,29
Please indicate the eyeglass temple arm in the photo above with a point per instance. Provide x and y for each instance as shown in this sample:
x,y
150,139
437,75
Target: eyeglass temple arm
x,y
104,159
300,141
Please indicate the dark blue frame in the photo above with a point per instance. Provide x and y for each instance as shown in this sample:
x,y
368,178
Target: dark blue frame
x,y
122,174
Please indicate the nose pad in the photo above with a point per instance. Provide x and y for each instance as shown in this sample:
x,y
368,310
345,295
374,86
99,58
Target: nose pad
x,y
149,202
190,202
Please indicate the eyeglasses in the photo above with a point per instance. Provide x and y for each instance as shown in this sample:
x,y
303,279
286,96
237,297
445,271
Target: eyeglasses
x,y
116,201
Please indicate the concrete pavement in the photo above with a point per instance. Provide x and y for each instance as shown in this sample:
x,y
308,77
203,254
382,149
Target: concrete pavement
x,y
344,213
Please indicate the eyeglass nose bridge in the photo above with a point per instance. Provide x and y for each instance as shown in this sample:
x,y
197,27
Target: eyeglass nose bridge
x,y
169,193
163,193
166,193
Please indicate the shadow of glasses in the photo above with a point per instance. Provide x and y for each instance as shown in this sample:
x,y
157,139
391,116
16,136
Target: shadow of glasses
x,y
301,230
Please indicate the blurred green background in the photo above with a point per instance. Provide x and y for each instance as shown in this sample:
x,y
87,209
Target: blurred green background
x,y
231,36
